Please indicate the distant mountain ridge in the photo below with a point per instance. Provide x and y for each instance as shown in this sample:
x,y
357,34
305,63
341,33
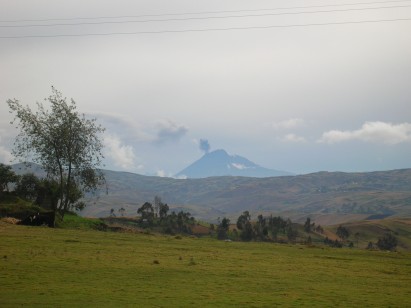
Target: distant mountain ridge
x,y
220,163
326,197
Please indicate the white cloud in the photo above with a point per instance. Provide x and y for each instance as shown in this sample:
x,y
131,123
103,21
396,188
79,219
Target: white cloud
x,y
122,155
293,138
162,173
377,132
5,155
170,131
239,166
288,124
122,125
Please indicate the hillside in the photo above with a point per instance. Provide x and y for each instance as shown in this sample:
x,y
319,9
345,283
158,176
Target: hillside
x,y
327,197
371,230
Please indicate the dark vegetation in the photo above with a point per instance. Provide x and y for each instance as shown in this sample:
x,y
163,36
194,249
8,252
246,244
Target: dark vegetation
x,y
68,147
32,198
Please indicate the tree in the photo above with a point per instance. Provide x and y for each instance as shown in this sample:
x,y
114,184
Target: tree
x,y
64,143
276,225
292,233
223,228
260,227
307,225
163,209
7,176
156,205
319,229
146,212
243,219
387,242
343,232
48,193
112,214
357,237
28,187
244,224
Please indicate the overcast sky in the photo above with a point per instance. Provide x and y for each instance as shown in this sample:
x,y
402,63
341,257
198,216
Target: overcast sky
x,y
301,92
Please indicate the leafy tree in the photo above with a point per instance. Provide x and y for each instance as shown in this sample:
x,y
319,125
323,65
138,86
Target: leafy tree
x,y
260,227
163,210
276,225
331,243
222,229
48,193
387,242
243,219
122,210
319,229
244,224
28,186
112,214
146,212
292,233
64,143
307,225
7,176
343,232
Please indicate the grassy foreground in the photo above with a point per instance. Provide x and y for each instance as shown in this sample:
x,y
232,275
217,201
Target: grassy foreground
x,y
65,267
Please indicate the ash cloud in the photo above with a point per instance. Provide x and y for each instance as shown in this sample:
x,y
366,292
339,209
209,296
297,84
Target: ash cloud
x,y
204,145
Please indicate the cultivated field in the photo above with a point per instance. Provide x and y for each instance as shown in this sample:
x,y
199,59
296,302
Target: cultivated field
x,y
61,267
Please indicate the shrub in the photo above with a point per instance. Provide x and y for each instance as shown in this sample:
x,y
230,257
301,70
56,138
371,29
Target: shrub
x,y
387,242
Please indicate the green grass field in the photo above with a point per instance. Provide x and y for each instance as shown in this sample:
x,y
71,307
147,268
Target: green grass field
x,y
79,267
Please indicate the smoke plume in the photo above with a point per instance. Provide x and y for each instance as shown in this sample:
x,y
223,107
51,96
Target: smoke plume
x,y
204,145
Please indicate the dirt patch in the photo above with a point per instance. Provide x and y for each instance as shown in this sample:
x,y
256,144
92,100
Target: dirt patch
x,y
330,235
10,220
200,230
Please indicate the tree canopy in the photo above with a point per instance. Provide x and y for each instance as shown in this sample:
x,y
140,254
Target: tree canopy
x,y
65,143
7,176
387,242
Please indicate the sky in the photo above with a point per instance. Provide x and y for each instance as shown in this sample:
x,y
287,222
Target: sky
x,y
299,86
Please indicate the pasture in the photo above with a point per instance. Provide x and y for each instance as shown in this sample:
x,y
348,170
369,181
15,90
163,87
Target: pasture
x,y
43,267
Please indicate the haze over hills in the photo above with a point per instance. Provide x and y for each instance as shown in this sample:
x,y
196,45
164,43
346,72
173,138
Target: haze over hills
x,y
220,163
327,197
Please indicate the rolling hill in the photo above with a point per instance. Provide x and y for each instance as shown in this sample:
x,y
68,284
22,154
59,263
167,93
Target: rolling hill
x,y
327,197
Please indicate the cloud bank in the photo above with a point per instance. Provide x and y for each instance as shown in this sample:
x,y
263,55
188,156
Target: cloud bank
x,y
293,138
121,155
288,124
376,132
5,155
170,132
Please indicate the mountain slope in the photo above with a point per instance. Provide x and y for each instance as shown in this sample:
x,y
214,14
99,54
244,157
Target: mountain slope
x,y
327,197
220,163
